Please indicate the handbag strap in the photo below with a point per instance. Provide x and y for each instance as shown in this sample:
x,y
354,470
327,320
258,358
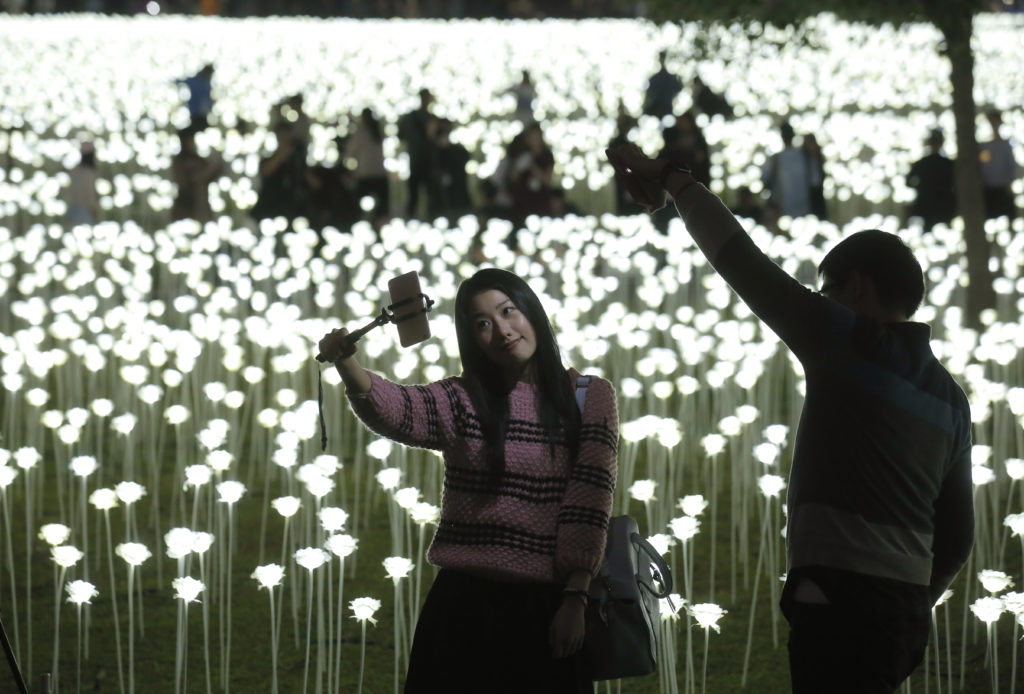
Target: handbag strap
x,y
662,574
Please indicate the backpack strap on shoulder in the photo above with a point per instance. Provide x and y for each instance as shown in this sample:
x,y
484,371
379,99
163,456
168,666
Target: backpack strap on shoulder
x,y
581,392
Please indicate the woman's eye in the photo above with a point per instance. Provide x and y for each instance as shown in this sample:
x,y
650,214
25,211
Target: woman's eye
x,y
482,325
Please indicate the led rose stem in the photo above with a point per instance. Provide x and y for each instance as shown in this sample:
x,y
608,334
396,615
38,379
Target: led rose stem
x,y
26,458
771,486
363,610
229,493
103,500
270,576
341,546
668,609
310,558
287,506
332,520
398,568
134,554
988,609
1014,604
80,592
186,590
201,542
64,556
707,616
7,476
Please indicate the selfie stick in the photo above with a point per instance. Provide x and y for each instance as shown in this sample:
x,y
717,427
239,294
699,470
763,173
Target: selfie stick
x,y
387,315
12,661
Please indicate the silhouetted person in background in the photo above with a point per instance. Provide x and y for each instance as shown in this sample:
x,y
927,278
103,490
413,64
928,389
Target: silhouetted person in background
x,y
816,166
789,176
453,186
200,96
998,171
662,89
708,102
524,93
932,178
83,203
624,204
193,175
366,146
291,111
417,130
684,146
284,187
531,177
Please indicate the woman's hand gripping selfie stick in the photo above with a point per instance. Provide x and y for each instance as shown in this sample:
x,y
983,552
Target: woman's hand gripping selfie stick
x,y
408,311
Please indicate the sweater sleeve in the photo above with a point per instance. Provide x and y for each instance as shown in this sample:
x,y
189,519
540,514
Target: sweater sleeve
x,y
419,416
583,516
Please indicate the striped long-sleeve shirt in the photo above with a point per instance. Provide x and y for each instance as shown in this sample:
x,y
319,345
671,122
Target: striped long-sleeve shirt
x,y
546,516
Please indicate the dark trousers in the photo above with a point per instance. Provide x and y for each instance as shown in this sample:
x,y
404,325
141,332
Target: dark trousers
x,y
867,640
478,635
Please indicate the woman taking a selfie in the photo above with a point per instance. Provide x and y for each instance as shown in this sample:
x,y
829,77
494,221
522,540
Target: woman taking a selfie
x,y
527,493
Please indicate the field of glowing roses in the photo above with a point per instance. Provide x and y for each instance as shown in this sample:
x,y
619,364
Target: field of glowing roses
x,y
170,522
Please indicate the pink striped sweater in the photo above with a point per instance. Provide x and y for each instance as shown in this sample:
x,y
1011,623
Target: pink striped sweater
x,y
548,515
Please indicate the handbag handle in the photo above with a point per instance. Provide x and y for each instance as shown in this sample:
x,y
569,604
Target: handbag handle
x,y
661,572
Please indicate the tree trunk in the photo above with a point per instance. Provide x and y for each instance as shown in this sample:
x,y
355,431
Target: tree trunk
x,y
956,27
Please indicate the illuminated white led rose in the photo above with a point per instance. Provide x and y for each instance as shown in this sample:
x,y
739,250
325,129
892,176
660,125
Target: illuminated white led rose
x,y
269,575
134,553
332,518
179,542
65,556
987,609
424,513
388,478
407,497
187,589
54,533
363,609
341,545
684,527
80,592
994,581
643,490
669,607
311,557
706,614
129,492
379,449
397,568
230,491
713,444
103,499
286,506
693,504
771,485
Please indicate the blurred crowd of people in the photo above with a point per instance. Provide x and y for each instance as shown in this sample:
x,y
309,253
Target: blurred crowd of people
x,y
361,184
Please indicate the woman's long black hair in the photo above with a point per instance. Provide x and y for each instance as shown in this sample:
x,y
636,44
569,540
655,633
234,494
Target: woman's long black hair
x,y
486,385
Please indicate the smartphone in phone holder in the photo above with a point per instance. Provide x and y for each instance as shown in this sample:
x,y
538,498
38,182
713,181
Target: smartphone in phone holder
x,y
408,311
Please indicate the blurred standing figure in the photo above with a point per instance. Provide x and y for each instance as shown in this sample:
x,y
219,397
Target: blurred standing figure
x,y
80,195
789,176
193,175
200,96
524,93
816,163
662,89
933,179
366,147
531,176
998,171
451,162
284,187
624,203
708,102
417,129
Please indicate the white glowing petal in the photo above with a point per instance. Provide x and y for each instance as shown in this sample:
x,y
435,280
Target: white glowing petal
x,y
197,475
219,461
176,414
363,609
341,545
669,607
311,557
776,433
318,485
388,478
103,499
661,542
332,518
693,504
187,588
7,476
133,553
424,512
643,490
230,491
65,555
766,453
994,581
129,492
981,475
123,424
1014,603
269,575
771,485
987,609
179,542
407,497
684,527
54,533
397,567
201,541
1014,468
980,454
707,614
287,506
80,591
946,595
379,449
713,444
82,465
1015,522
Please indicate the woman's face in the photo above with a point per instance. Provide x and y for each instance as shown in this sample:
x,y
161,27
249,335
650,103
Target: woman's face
x,y
502,331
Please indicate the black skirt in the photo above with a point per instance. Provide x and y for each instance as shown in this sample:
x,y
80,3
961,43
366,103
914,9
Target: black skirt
x,y
479,635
